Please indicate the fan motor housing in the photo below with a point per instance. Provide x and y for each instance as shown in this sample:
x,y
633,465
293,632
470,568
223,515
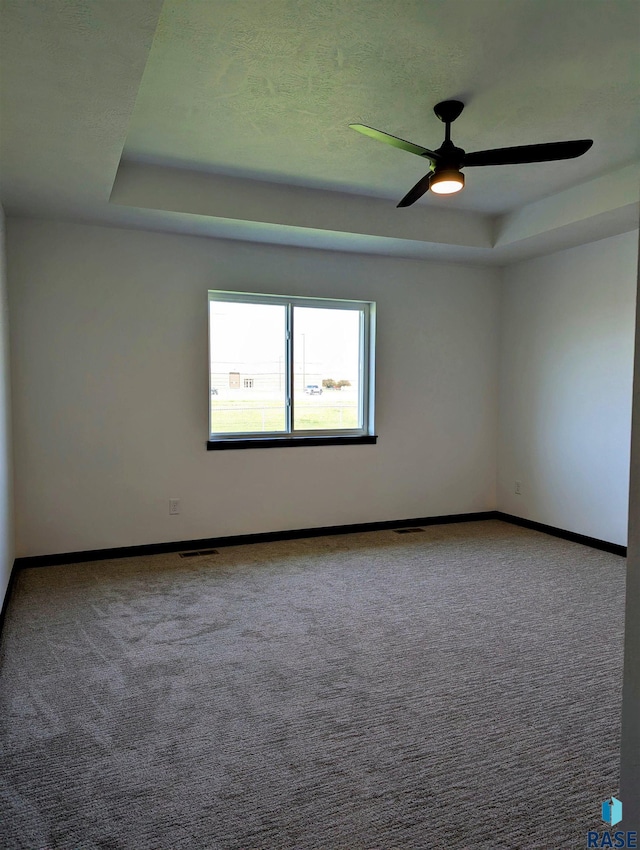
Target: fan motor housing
x,y
451,156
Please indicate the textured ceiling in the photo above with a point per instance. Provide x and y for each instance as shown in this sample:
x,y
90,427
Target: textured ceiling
x,y
230,118
267,89
69,75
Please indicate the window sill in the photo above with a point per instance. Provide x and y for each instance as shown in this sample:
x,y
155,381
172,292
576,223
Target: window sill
x,y
288,442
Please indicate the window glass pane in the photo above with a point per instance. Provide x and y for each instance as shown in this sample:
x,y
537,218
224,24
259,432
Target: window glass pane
x,y
326,351
248,367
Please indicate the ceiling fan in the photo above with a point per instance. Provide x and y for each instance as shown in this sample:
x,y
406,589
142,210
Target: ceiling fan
x,y
445,176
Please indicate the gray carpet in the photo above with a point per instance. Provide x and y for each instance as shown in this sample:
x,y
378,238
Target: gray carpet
x,y
458,688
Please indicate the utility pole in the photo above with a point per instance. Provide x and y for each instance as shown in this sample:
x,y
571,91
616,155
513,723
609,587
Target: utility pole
x,y
304,363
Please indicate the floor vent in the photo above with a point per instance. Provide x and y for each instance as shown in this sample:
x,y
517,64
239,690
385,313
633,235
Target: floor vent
x,y
408,530
201,552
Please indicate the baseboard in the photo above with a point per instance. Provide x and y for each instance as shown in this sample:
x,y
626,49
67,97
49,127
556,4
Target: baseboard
x,y
298,533
242,539
593,542
7,596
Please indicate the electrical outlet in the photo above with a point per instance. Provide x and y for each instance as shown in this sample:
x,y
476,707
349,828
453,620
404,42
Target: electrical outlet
x,y
174,506
518,488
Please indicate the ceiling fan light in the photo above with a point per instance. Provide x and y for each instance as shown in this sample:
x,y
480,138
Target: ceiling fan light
x,y
447,181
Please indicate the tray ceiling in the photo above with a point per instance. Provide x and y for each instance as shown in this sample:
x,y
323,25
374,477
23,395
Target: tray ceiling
x,y
154,105
268,90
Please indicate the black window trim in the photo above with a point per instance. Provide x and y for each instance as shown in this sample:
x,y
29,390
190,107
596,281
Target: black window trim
x,y
289,442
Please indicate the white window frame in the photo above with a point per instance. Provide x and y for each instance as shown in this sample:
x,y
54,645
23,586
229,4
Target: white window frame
x,y
367,310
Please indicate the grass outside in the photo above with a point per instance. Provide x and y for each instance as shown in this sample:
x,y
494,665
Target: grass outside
x,y
231,416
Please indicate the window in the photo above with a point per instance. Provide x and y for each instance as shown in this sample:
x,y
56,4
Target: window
x,y
289,371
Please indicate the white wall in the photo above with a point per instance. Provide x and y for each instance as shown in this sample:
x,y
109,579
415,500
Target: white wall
x,y
109,332
630,739
566,368
6,470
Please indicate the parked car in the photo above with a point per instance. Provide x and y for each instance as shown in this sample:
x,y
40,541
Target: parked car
x,y
313,389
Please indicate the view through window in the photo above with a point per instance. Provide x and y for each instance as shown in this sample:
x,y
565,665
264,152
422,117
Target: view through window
x,y
289,366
